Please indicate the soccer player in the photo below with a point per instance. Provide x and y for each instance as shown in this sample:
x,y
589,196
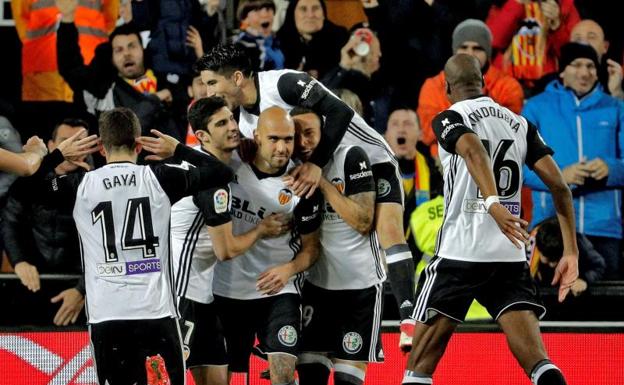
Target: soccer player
x,y
343,292
193,220
479,251
122,215
254,291
227,72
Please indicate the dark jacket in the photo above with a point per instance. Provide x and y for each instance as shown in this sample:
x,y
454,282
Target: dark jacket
x,y
321,53
37,233
100,88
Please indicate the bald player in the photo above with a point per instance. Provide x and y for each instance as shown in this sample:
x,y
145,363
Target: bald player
x,y
610,72
257,291
480,251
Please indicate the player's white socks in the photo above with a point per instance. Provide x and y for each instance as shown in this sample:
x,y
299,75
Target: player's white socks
x,y
411,377
546,373
348,375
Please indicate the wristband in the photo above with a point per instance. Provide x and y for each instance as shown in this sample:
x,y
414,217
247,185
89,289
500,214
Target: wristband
x,y
490,201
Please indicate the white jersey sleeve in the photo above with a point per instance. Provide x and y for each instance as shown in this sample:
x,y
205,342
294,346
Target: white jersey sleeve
x,y
348,260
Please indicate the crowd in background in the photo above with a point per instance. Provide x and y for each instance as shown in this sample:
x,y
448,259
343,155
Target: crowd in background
x,y
557,62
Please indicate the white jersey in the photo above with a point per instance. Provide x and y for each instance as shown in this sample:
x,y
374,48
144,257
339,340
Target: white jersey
x,y
468,232
288,88
191,246
348,260
122,217
254,196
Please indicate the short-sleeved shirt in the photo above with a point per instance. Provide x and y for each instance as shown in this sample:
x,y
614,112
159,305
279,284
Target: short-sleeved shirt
x,y
256,195
348,260
468,232
191,246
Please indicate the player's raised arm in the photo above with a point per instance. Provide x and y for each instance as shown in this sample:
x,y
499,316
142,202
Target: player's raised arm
x,y
180,180
300,89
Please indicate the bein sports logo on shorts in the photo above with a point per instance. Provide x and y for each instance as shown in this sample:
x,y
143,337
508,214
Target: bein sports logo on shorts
x,y
128,268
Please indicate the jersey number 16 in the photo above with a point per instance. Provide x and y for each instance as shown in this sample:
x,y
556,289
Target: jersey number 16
x,y
506,171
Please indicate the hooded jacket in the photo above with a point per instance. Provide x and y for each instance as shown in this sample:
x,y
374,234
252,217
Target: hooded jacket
x,y
581,129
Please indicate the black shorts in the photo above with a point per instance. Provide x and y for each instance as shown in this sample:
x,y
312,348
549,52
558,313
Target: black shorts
x,y
388,182
202,334
120,348
345,324
275,321
448,287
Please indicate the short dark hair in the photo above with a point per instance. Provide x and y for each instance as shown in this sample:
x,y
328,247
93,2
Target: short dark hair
x,y
72,122
246,6
548,239
298,110
126,29
224,59
202,110
119,128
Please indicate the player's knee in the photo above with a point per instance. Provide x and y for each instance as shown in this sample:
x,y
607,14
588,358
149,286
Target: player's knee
x,y
345,374
282,368
546,373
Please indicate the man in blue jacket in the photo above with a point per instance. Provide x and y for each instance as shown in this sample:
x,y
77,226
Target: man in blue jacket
x,y
584,126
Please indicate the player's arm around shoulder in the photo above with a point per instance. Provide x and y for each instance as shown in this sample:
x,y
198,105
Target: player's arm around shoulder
x,y
354,198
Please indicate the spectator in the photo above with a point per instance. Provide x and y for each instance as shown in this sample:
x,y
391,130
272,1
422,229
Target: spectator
x,y
116,77
196,90
350,99
549,249
355,71
173,25
609,71
421,177
585,127
309,41
414,36
47,97
474,38
42,239
257,37
528,35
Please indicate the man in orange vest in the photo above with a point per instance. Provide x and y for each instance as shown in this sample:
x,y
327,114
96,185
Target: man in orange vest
x,y
474,38
36,22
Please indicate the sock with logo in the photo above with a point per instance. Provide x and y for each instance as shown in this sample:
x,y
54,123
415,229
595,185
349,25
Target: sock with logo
x,y
401,276
313,369
411,377
348,375
546,373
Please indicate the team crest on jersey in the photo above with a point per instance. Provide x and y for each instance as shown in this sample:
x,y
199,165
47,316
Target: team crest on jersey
x,y
284,196
352,342
339,184
220,198
383,187
287,335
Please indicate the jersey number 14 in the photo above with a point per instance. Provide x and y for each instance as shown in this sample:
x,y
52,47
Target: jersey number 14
x,y
136,208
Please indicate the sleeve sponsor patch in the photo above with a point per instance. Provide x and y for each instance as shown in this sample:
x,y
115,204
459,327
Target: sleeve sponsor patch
x,y
221,201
